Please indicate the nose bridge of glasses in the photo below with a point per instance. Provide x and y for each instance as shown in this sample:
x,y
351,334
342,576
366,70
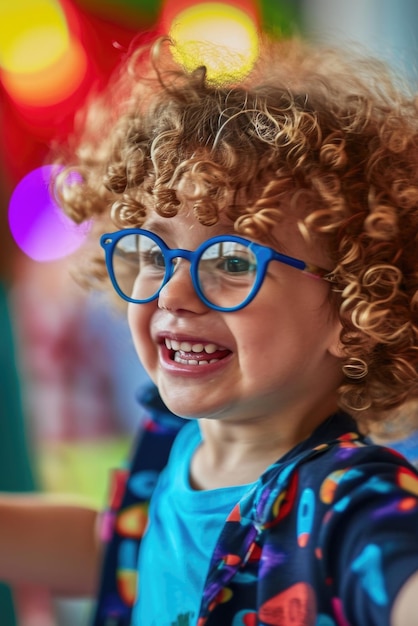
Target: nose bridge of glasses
x,y
180,287
177,254
174,257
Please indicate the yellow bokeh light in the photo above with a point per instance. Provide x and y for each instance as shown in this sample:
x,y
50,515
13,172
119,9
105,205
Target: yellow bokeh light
x,y
33,34
51,84
217,35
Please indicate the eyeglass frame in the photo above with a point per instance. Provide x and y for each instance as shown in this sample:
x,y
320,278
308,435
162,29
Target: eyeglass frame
x,y
264,254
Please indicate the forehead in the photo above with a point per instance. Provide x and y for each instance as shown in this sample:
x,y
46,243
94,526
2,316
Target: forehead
x,y
239,210
185,231
185,226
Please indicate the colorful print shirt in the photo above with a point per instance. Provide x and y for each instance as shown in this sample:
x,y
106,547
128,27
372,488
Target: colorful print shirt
x,y
326,537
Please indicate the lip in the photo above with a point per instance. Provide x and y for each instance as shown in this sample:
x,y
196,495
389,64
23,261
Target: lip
x,y
183,369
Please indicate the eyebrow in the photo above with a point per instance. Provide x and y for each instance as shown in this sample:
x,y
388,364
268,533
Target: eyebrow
x,y
155,227
163,229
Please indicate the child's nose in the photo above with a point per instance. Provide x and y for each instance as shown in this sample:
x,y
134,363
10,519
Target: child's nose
x,y
179,294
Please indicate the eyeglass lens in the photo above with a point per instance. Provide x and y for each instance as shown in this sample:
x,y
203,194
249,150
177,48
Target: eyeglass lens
x,y
226,270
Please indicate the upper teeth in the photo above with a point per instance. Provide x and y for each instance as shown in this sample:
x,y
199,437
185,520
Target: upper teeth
x,y
186,346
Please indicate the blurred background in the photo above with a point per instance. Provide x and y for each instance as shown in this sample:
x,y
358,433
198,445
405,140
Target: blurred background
x,y
68,373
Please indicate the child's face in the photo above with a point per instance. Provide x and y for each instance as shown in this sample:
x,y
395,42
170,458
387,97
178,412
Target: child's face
x,y
276,355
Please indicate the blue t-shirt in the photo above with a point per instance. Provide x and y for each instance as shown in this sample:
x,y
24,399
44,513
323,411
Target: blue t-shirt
x,y
184,525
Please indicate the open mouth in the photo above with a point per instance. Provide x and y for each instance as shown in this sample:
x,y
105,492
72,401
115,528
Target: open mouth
x,y
188,353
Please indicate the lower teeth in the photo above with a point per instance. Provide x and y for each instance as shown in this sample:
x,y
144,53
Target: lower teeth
x,y
178,359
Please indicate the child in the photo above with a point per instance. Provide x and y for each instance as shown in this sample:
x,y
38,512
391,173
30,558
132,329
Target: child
x,y
267,252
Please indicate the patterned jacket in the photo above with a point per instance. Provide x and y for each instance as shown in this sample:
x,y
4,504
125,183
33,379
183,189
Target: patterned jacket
x,y
326,537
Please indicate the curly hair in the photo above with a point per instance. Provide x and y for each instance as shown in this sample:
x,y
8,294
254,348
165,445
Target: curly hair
x,y
330,130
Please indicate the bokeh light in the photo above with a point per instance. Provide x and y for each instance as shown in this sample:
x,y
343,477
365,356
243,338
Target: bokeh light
x,y
221,36
41,61
39,227
33,34
50,84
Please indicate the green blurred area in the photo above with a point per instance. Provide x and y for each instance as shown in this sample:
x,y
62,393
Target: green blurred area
x,y
81,467
130,13
280,17
16,463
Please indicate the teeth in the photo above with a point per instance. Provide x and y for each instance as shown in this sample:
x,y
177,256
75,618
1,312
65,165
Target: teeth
x,y
178,359
210,348
186,346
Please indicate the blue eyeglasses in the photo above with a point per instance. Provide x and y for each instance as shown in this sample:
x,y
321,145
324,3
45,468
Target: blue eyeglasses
x,y
227,271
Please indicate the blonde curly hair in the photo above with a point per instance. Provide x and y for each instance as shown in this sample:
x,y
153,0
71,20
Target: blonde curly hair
x,y
329,129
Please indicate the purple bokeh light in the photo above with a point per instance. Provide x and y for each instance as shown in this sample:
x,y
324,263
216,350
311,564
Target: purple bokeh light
x,y
39,227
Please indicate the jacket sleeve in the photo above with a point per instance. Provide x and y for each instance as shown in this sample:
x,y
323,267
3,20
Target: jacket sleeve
x,y
368,540
125,519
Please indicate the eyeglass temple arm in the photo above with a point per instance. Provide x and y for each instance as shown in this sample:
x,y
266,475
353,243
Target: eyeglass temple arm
x,y
319,272
309,268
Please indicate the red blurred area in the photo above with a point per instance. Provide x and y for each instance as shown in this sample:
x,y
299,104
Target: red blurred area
x,y
28,129
54,84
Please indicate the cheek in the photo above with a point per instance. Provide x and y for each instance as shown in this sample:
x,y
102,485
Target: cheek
x,y
139,326
133,321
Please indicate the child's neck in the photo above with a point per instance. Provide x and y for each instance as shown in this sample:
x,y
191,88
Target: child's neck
x,y
237,454
206,474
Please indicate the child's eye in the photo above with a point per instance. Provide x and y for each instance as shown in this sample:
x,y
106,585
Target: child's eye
x,y
235,265
152,257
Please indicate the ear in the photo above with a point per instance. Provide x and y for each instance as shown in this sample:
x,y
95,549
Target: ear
x,y
335,346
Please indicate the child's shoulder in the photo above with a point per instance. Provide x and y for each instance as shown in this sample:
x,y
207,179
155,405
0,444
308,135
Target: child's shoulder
x,y
337,452
342,477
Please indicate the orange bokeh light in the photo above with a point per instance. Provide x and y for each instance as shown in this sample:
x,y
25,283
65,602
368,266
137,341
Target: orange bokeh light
x,y
50,84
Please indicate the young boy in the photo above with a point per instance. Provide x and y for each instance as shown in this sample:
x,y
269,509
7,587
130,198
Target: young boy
x,y
267,253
